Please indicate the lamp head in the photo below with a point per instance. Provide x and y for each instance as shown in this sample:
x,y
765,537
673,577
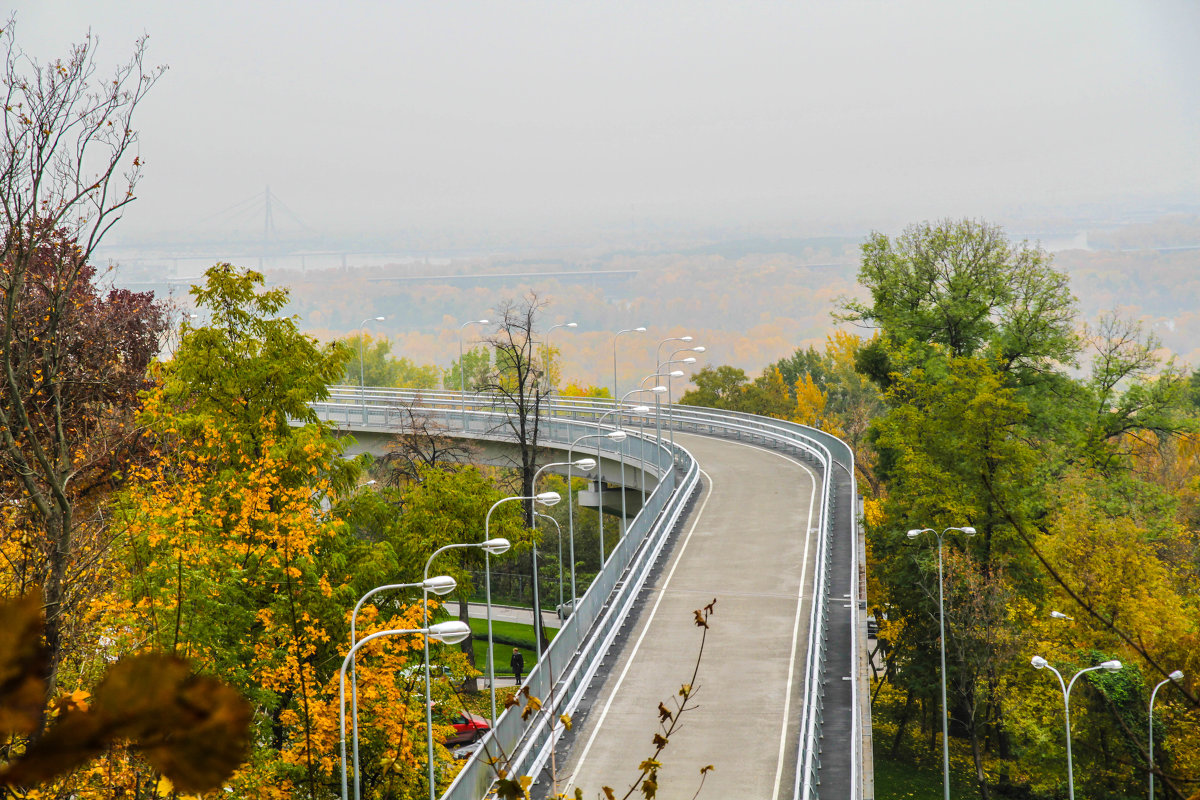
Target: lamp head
x,y
685,338
1176,676
690,360
658,389
585,463
915,532
548,498
677,373
639,410
1111,666
440,584
483,321
1059,615
699,349
616,436
380,319
496,546
451,632
1039,662
969,531
641,329
572,325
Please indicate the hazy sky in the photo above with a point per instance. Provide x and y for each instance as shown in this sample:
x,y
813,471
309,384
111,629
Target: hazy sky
x,y
398,116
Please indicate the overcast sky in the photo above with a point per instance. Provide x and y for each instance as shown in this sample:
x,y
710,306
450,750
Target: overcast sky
x,y
397,116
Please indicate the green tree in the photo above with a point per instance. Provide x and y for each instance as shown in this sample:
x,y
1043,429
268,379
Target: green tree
x,y
961,288
476,365
380,368
717,387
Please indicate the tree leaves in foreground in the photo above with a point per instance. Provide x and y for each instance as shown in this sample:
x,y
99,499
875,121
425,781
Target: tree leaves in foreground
x,y
191,728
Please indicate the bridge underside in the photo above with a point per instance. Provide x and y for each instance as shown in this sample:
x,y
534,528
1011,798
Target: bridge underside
x,y
617,479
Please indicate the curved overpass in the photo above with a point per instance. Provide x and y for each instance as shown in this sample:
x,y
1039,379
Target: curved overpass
x,y
772,535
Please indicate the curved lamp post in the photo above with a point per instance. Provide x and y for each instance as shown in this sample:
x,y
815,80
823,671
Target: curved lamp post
x,y
448,632
548,332
1175,676
362,387
640,329
942,624
442,584
558,528
617,409
546,499
686,360
491,546
462,370
1040,663
615,436
582,463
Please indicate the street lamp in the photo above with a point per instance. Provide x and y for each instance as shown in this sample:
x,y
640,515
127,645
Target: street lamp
x,y
546,499
687,360
641,329
362,387
448,632
548,332
558,528
442,584
492,546
1060,615
462,370
1175,676
1041,663
614,436
942,624
617,409
582,463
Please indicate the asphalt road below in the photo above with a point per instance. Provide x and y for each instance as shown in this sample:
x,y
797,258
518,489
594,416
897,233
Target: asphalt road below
x,y
747,545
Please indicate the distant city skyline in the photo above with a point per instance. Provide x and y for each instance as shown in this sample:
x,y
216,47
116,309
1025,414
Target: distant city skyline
x,y
567,123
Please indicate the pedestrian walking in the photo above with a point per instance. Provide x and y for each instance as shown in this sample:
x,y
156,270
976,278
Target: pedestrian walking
x,y
517,662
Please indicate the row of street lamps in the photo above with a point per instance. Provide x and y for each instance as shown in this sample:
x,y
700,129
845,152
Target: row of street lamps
x,y
455,631
1038,663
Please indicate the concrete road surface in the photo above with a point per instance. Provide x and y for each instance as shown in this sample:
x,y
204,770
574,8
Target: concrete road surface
x,y
747,544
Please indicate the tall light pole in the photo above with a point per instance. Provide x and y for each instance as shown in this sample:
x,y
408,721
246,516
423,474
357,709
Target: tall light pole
x,y
448,632
362,384
491,546
442,584
462,370
942,624
546,499
1175,676
640,329
558,528
615,436
616,409
1040,663
687,360
658,368
548,351
582,463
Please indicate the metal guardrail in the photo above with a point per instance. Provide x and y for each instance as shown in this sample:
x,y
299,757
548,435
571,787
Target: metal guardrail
x,y
573,657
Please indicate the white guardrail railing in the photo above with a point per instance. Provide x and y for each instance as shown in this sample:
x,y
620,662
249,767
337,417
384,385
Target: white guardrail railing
x,y
571,661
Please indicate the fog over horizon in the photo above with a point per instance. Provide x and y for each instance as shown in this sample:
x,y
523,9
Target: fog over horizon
x,y
538,118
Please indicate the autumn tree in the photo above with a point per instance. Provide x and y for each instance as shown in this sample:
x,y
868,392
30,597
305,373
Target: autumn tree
x,y
74,357
516,381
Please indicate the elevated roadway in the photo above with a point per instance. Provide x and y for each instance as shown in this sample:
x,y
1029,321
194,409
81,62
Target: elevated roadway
x,y
759,514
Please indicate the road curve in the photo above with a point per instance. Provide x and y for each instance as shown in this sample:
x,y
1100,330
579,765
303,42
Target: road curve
x,y
747,544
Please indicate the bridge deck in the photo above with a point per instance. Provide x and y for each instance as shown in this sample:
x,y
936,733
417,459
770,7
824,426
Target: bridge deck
x,y
747,543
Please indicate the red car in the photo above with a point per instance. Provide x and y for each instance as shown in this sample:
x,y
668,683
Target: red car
x,y
467,728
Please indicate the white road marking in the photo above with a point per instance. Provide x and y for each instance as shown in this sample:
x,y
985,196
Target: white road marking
x,y
633,653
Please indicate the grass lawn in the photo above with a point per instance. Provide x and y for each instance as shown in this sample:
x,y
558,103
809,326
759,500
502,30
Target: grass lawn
x,y
901,780
503,652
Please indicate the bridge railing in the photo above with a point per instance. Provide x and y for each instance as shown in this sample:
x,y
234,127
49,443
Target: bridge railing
x,y
584,640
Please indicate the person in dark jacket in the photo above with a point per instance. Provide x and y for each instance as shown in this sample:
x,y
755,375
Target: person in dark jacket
x,y
517,662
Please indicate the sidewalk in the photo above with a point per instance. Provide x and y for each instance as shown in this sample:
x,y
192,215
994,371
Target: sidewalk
x,y
512,614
